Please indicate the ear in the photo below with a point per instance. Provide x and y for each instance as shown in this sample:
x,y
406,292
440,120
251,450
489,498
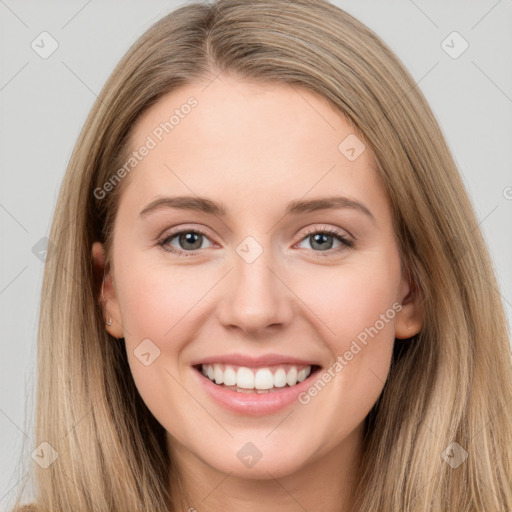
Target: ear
x,y
409,319
107,295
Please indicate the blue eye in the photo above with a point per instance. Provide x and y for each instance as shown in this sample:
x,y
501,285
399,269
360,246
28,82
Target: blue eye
x,y
192,240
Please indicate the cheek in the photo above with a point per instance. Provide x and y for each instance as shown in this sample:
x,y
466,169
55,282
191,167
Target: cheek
x,y
357,305
357,308
157,304
154,298
354,298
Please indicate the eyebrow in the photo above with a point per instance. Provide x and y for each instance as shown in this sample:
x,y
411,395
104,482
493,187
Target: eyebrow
x,y
298,207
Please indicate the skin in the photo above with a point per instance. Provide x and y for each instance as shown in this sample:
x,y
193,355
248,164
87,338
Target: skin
x,y
254,148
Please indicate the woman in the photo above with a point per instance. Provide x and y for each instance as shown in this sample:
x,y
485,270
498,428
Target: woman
x,y
253,372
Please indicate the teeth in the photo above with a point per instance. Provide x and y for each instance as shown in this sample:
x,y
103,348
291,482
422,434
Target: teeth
x,y
250,380
301,375
280,378
217,372
263,379
291,376
229,376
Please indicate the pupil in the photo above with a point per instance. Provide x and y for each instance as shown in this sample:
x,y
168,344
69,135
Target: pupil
x,y
192,238
321,237
189,239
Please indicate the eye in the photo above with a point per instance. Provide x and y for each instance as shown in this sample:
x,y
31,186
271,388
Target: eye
x,y
190,241
322,239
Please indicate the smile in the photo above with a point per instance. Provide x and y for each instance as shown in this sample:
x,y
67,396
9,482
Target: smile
x,y
243,379
248,399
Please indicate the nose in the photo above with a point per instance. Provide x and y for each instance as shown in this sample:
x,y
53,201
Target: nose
x,y
256,297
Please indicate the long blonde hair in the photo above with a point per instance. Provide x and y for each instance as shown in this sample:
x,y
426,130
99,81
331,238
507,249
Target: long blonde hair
x,y
452,383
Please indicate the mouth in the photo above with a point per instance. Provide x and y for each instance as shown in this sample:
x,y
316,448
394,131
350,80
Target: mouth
x,y
256,380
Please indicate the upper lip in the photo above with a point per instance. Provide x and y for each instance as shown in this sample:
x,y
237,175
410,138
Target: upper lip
x,y
254,361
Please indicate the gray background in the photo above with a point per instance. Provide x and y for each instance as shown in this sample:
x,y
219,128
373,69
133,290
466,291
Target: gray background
x,y
44,103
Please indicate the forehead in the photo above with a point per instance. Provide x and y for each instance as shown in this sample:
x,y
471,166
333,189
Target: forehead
x,y
242,140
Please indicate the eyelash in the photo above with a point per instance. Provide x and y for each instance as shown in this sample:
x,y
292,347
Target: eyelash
x,y
346,243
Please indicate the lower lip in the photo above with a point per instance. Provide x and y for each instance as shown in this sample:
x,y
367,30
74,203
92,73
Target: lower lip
x,y
253,404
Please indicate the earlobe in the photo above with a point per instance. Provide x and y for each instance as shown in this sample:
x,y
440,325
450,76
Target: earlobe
x,y
409,319
107,296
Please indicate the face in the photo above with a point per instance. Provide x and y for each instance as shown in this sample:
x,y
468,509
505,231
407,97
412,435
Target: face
x,y
262,293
